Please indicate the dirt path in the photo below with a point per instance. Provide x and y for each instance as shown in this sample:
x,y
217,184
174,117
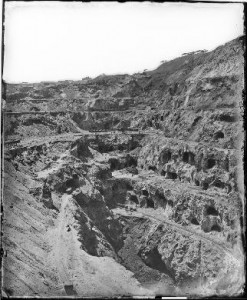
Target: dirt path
x,y
60,246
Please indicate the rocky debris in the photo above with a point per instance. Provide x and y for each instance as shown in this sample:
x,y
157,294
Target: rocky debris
x,y
191,162
127,184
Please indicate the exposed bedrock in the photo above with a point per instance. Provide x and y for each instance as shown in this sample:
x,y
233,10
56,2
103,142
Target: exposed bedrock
x,y
127,184
175,258
182,205
195,163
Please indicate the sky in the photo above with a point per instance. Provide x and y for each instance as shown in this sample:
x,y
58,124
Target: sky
x,y
50,41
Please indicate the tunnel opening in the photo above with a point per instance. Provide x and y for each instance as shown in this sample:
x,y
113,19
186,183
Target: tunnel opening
x,y
219,184
166,156
131,161
161,199
150,203
227,118
114,164
145,193
216,227
121,148
170,203
186,157
103,148
197,183
152,168
195,221
219,135
133,198
163,173
197,119
172,175
69,289
205,185
211,163
162,118
212,211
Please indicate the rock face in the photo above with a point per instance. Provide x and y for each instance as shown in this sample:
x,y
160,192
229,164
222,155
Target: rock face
x,y
127,184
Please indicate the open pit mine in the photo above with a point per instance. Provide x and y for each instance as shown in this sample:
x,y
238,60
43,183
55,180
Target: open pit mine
x,y
127,185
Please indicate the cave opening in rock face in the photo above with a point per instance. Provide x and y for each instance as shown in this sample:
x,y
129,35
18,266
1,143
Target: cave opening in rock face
x,y
216,227
153,168
196,120
114,164
120,147
227,118
195,221
172,175
212,211
163,173
150,203
219,184
186,157
170,202
211,163
131,161
197,183
166,156
69,289
134,198
219,135
145,193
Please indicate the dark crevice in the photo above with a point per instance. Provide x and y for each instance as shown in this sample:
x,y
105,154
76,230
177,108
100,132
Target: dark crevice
x,y
210,163
133,198
163,173
197,119
150,203
172,175
170,202
197,183
69,289
216,227
205,185
166,156
219,135
145,193
189,157
153,260
153,168
219,184
212,211
195,221
227,118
